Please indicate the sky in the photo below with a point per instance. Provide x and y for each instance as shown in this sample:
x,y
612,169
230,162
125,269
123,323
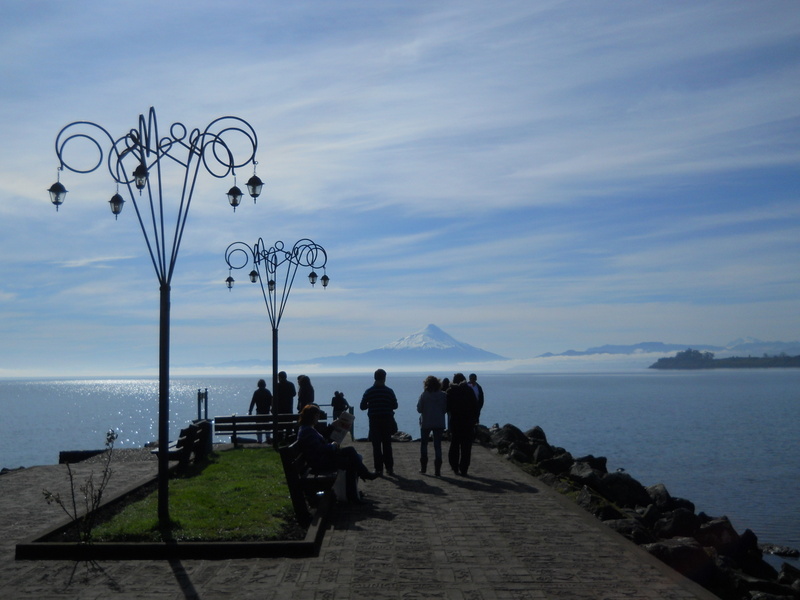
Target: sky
x,y
530,176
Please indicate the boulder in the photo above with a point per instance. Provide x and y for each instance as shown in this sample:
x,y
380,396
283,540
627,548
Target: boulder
x,y
536,436
660,496
790,576
624,490
686,556
650,514
720,535
631,529
751,559
742,551
676,523
483,435
560,463
582,473
542,452
502,438
664,501
682,503
754,588
598,463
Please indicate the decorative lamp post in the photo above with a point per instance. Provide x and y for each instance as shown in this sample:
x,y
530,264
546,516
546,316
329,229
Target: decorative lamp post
x,y
274,263
136,160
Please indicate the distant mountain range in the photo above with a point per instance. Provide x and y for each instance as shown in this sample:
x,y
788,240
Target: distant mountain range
x,y
740,347
431,347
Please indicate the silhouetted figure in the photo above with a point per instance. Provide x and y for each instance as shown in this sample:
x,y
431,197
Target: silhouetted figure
x,y
462,408
324,456
339,404
284,399
305,392
380,403
262,401
432,407
478,391
284,395
445,384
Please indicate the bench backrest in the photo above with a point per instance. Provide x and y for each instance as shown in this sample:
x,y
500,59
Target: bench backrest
x,y
295,467
239,424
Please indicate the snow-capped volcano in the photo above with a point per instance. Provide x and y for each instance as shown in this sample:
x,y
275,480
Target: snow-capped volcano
x,y
430,338
428,346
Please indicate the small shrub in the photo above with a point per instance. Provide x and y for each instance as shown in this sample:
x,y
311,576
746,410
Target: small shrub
x,y
91,492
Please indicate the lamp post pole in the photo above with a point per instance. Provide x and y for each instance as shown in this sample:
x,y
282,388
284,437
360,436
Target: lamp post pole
x,y
271,265
135,161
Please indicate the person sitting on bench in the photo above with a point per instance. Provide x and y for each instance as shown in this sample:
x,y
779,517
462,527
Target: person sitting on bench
x,y
323,455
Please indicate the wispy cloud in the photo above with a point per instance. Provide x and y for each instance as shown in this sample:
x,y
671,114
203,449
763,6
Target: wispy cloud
x,y
529,176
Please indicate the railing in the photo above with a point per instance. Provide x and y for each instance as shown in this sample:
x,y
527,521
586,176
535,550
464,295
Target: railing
x,y
202,404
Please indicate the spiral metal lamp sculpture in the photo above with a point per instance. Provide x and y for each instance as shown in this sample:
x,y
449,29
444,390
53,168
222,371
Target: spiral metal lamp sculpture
x,y
139,162
271,265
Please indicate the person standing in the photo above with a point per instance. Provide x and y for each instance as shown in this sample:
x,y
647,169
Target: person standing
x,y
380,403
305,392
432,407
462,408
339,404
478,390
284,395
284,399
261,401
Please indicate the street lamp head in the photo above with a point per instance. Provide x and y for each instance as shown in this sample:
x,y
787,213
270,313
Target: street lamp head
x,y
116,203
229,282
57,194
254,276
312,277
254,185
140,177
235,197
325,281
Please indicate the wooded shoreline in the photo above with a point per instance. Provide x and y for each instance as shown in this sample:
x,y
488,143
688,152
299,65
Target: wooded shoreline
x,y
694,359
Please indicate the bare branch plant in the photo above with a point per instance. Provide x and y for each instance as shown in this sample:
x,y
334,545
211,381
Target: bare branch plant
x,y
91,492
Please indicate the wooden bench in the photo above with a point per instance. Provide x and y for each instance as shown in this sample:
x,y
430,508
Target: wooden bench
x,y
193,441
274,426
306,486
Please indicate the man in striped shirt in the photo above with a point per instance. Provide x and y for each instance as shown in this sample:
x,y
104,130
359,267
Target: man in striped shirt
x,y
380,403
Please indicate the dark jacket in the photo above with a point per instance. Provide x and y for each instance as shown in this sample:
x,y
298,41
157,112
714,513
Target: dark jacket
x,y
379,401
319,452
284,396
262,400
462,407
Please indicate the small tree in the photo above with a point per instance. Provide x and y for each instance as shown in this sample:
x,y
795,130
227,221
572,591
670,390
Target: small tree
x,y
92,494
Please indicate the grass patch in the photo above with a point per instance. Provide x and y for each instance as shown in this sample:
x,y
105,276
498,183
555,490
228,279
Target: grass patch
x,y
238,495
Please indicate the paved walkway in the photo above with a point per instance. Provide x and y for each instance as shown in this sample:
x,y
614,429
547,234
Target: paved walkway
x,y
498,534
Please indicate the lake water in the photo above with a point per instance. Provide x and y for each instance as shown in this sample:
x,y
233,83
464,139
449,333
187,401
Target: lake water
x,y
727,440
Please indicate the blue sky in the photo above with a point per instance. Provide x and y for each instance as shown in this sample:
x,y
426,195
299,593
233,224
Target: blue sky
x,y
529,176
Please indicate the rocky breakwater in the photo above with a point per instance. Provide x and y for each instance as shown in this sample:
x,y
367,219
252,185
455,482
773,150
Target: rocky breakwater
x,y
706,549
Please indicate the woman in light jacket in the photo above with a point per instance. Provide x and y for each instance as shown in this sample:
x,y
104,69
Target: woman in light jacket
x,y
432,407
